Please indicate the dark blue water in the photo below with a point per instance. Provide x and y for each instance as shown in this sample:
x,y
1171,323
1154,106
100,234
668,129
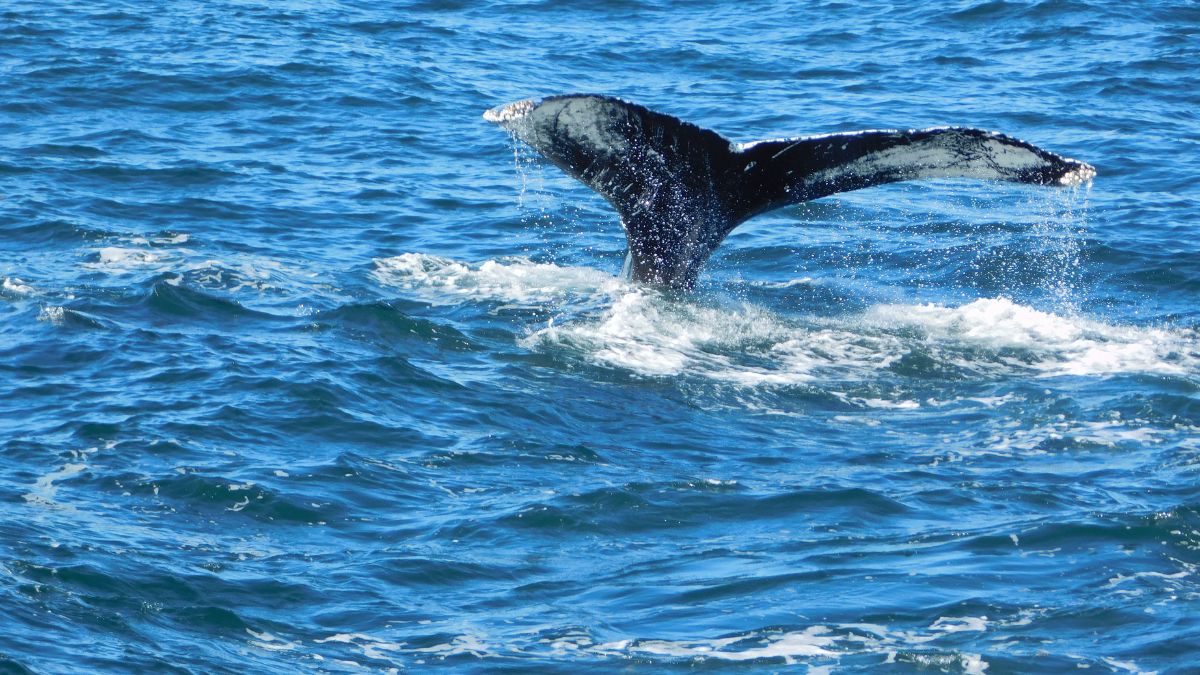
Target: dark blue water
x,y
305,367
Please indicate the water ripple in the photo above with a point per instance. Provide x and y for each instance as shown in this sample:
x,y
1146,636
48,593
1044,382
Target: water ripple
x,y
308,368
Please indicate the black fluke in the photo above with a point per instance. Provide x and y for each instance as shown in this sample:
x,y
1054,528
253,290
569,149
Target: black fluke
x,y
680,189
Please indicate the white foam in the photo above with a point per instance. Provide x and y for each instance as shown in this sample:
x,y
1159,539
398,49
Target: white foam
x,y
16,286
957,153
269,642
164,255
819,647
959,624
120,259
461,644
1165,577
372,647
1060,345
517,280
799,281
1127,666
1012,437
45,489
811,642
637,329
816,643
643,332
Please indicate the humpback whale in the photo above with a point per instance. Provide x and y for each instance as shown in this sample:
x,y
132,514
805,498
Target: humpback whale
x,y
680,189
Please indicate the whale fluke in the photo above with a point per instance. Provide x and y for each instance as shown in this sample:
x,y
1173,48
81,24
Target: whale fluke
x,y
680,189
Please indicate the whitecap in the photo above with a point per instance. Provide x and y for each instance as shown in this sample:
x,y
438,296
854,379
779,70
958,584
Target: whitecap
x,y
119,260
1061,345
515,280
640,330
45,489
819,643
15,286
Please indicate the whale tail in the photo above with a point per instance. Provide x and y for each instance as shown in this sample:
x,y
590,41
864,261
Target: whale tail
x,y
680,189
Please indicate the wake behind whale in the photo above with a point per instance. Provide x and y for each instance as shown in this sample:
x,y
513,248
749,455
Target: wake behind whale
x,y
680,189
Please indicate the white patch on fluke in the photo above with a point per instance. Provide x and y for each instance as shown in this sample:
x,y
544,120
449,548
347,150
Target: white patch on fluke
x,y
937,158
954,153
509,112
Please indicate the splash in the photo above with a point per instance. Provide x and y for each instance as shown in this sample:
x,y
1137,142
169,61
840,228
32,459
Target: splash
x,y
639,330
1054,344
514,280
747,345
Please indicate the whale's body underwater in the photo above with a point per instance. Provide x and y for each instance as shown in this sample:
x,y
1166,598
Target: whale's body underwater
x,y
680,189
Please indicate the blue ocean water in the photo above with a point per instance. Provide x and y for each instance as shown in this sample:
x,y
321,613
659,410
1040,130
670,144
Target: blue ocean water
x,y
306,367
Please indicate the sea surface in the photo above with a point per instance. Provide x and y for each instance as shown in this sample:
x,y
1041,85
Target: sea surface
x,y
305,367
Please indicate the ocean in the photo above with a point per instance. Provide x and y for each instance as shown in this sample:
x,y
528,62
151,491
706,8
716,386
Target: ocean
x,y
305,367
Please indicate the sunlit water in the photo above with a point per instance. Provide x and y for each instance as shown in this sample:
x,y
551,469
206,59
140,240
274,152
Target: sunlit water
x,y
307,367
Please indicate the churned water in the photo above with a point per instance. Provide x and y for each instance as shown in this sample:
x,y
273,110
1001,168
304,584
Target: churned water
x,y
305,367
